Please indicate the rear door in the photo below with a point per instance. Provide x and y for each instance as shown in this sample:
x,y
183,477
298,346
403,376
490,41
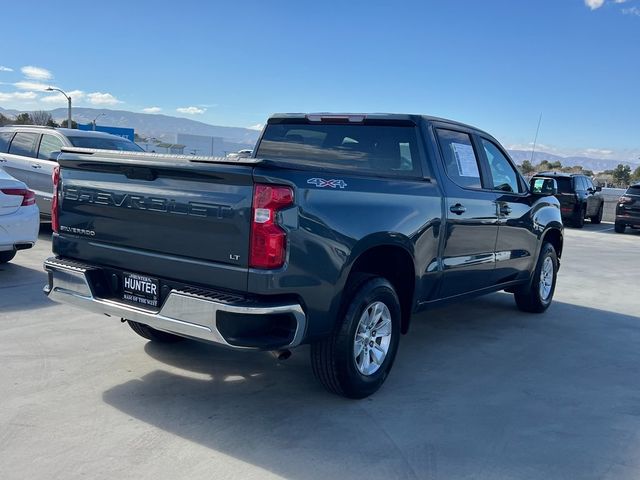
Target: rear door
x,y
5,140
43,165
22,164
471,216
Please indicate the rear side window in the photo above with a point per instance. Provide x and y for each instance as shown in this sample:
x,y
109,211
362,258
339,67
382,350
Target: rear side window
x,y
5,138
460,159
48,145
379,149
24,144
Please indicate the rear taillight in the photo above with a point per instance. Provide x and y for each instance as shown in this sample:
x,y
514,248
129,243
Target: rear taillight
x,y
268,240
625,199
28,197
55,177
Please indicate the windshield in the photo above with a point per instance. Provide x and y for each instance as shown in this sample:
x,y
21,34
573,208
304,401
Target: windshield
x,y
105,143
564,184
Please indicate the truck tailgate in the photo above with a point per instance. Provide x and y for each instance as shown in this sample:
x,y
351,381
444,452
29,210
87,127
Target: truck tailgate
x,y
183,221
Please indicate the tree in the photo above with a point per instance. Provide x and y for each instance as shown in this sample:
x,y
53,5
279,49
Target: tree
x,y
557,165
622,175
41,117
23,119
4,120
526,168
635,176
64,123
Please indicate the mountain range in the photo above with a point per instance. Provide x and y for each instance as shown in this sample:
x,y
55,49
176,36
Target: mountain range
x,y
162,126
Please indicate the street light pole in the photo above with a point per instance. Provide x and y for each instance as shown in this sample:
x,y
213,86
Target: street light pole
x,y
51,89
96,119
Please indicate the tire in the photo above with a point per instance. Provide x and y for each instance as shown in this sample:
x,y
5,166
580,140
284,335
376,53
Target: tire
x,y
7,256
532,297
619,227
334,360
578,218
596,219
152,334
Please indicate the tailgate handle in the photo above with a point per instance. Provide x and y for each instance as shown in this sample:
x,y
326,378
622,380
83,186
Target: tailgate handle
x,y
35,165
139,173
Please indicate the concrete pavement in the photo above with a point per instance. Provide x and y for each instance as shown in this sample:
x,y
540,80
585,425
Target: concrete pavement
x,y
479,390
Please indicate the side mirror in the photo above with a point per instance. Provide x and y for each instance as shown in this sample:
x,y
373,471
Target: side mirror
x,y
53,156
543,186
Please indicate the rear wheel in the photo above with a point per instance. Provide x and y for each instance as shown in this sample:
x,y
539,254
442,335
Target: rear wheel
x,y
536,296
152,334
596,219
619,227
578,217
356,359
7,256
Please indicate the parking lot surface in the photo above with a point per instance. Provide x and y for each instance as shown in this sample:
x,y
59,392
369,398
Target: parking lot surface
x,y
479,390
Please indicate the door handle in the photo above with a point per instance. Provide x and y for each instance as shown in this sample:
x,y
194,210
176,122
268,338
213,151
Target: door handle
x,y
458,209
35,165
505,209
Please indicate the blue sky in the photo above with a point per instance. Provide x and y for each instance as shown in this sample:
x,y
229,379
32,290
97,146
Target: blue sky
x,y
494,64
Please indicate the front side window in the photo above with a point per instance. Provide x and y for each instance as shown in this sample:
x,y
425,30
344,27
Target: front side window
x,y
24,144
460,160
505,177
48,145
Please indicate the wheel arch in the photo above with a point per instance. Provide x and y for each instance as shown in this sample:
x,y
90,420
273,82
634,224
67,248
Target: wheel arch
x,y
389,256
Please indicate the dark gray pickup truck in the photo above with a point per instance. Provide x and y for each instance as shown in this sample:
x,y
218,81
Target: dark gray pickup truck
x,y
336,231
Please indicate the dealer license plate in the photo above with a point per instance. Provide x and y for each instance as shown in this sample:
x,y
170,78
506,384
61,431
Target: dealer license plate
x,y
140,289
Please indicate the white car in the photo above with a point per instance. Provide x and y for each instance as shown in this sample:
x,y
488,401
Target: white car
x,y
19,217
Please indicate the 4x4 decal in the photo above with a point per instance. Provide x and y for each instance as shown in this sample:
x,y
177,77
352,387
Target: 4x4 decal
x,y
322,183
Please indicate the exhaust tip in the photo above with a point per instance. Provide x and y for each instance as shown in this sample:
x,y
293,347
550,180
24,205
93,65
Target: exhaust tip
x,y
281,355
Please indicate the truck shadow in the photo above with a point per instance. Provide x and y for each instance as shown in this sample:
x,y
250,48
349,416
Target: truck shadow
x,y
478,389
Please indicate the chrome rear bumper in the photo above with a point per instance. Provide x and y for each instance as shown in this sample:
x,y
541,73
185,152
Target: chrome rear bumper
x,y
182,313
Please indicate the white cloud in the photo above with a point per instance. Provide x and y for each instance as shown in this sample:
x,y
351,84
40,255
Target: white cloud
x,y
257,126
632,11
7,97
58,98
152,110
26,85
191,110
594,4
5,69
99,98
597,151
36,73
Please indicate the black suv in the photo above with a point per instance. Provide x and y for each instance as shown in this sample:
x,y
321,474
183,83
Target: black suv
x,y
628,209
579,198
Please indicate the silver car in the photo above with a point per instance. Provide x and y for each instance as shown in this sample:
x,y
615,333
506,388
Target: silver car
x,y
28,153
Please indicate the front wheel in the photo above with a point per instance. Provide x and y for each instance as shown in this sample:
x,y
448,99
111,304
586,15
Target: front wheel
x,y
356,359
619,227
596,219
536,296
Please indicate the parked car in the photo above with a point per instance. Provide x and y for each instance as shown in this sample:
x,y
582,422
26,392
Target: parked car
x,y
628,209
19,217
29,153
334,233
579,198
